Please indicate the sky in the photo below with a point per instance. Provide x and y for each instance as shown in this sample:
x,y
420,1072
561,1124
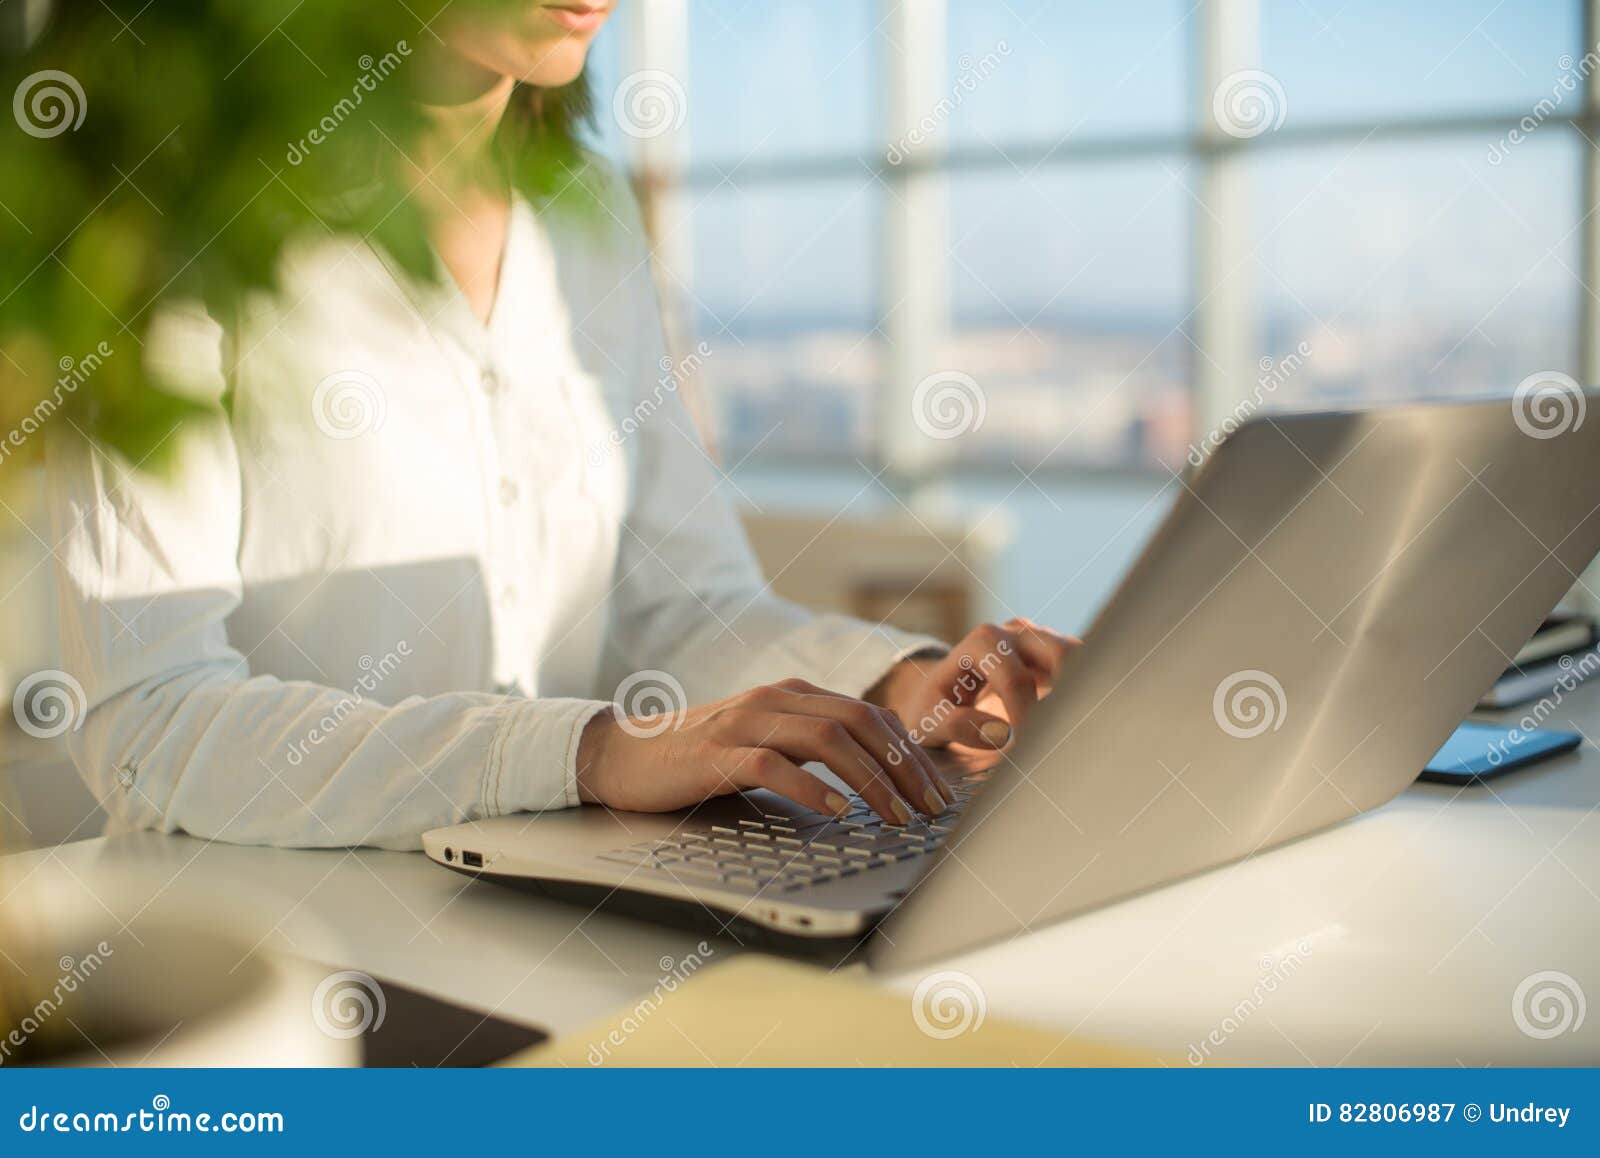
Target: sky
x,y
775,79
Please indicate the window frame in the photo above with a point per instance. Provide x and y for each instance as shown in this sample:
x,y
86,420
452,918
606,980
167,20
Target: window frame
x,y
913,281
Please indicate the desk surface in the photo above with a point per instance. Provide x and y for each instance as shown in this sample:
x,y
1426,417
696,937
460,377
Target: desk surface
x,y
1400,936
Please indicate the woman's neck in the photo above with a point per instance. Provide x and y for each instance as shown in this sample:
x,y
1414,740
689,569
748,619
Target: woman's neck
x,y
454,155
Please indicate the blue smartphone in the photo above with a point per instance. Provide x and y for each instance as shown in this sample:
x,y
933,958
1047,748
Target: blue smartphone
x,y
1478,751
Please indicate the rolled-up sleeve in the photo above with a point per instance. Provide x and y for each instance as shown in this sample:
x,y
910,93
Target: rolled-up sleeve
x,y
176,725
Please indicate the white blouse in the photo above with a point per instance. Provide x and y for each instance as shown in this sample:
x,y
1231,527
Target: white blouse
x,y
386,589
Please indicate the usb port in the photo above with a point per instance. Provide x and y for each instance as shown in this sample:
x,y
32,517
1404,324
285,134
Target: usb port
x,y
472,859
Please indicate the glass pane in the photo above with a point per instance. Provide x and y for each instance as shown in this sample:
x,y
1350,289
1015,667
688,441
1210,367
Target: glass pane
x,y
1370,59
1038,71
1417,269
603,73
781,80
784,292
1068,290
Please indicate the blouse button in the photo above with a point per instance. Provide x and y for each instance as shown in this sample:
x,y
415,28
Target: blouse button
x,y
508,492
508,595
489,380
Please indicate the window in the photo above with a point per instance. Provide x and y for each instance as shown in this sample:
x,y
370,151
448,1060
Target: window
x,y
1371,60
783,291
1065,71
1416,268
774,81
1105,260
1068,290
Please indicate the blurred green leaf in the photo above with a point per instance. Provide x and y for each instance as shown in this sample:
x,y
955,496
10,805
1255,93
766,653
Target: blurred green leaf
x,y
213,134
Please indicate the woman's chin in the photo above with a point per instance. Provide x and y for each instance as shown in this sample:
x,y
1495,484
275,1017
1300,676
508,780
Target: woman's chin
x,y
543,61
551,64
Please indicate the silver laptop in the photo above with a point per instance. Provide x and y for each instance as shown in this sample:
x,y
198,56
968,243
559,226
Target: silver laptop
x,y
1327,599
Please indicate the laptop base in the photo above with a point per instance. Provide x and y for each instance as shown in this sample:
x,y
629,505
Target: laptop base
x,y
683,913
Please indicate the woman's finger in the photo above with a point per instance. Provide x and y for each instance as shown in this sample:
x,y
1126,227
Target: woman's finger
x,y
988,660
1041,649
908,767
769,769
969,728
911,747
1016,685
801,738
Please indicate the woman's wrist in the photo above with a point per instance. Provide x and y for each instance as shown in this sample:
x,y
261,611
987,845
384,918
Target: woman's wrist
x,y
897,682
591,758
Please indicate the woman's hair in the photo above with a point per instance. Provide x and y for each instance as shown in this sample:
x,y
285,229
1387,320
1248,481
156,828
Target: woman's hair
x,y
541,136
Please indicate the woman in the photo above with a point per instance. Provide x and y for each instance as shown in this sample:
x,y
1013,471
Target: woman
x,y
383,590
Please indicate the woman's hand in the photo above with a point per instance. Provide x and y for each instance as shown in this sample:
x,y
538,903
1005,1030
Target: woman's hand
x,y
976,698
760,739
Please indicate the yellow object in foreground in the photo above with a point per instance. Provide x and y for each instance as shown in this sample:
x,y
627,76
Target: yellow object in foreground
x,y
759,1011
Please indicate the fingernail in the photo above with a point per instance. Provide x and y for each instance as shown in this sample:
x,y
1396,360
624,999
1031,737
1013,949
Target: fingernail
x,y
997,732
901,812
836,802
936,803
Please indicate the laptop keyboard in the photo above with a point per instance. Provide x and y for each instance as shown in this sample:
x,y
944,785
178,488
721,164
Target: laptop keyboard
x,y
786,854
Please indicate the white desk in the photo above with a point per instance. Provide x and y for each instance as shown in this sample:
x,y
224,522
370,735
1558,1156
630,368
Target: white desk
x,y
1409,930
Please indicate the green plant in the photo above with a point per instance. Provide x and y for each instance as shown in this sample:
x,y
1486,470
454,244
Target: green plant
x,y
172,150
